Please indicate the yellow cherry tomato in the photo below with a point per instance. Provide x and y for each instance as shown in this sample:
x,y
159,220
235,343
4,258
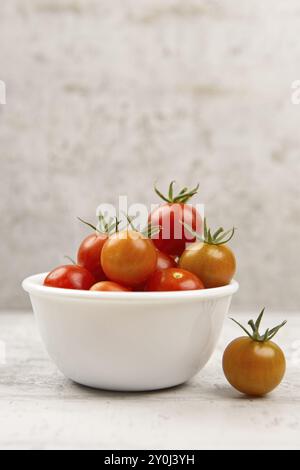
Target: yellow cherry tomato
x,y
215,265
254,364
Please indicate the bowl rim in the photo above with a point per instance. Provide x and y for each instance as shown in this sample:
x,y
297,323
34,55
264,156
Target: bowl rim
x,y
33,285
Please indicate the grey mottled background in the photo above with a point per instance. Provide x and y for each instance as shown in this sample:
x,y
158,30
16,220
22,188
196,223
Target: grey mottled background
x,y
104,97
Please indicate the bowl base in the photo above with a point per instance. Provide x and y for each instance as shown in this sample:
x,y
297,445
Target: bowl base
x,y
126,389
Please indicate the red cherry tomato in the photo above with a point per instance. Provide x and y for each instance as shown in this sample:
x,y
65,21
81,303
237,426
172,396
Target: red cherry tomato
x,y
128,258
165,261
173,279
70,277
170,217
108,286
89,254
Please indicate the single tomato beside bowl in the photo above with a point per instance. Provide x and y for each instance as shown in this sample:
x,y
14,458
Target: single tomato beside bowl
x,y
253,364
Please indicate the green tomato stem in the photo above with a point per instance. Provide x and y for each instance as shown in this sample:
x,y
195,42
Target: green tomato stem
x,y
255,335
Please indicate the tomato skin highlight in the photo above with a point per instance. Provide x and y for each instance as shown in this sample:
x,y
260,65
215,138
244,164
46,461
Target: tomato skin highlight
x,y
165,261
70,277
252,367
173,279
128,258
173,236
215,265
108,286
89,254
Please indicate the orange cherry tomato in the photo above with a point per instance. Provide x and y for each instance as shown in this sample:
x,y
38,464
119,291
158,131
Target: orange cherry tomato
x,y
211,259
108,286
253,364
128,258
214,264
253,368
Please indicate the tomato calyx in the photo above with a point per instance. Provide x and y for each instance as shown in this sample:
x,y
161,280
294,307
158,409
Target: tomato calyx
x,y
104,227
181,198
219,237
148,232
255,335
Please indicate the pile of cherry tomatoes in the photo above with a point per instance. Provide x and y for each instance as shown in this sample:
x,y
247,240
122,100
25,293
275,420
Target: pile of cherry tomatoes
x,y
176,252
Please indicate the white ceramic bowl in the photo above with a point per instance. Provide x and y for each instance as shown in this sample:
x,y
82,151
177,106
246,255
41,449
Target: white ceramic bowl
x,y
130,341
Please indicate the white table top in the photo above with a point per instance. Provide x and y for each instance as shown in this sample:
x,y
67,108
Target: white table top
x,y
40,409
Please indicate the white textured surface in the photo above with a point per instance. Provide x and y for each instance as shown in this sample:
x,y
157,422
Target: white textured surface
x,y
104,97
40,409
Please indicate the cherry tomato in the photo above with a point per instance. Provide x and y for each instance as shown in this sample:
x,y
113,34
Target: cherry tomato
x,y
108,286
215,265
253,368
173,279
89,254
211,260
253,364
128,258
139,288
170,217
165,261
70,277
